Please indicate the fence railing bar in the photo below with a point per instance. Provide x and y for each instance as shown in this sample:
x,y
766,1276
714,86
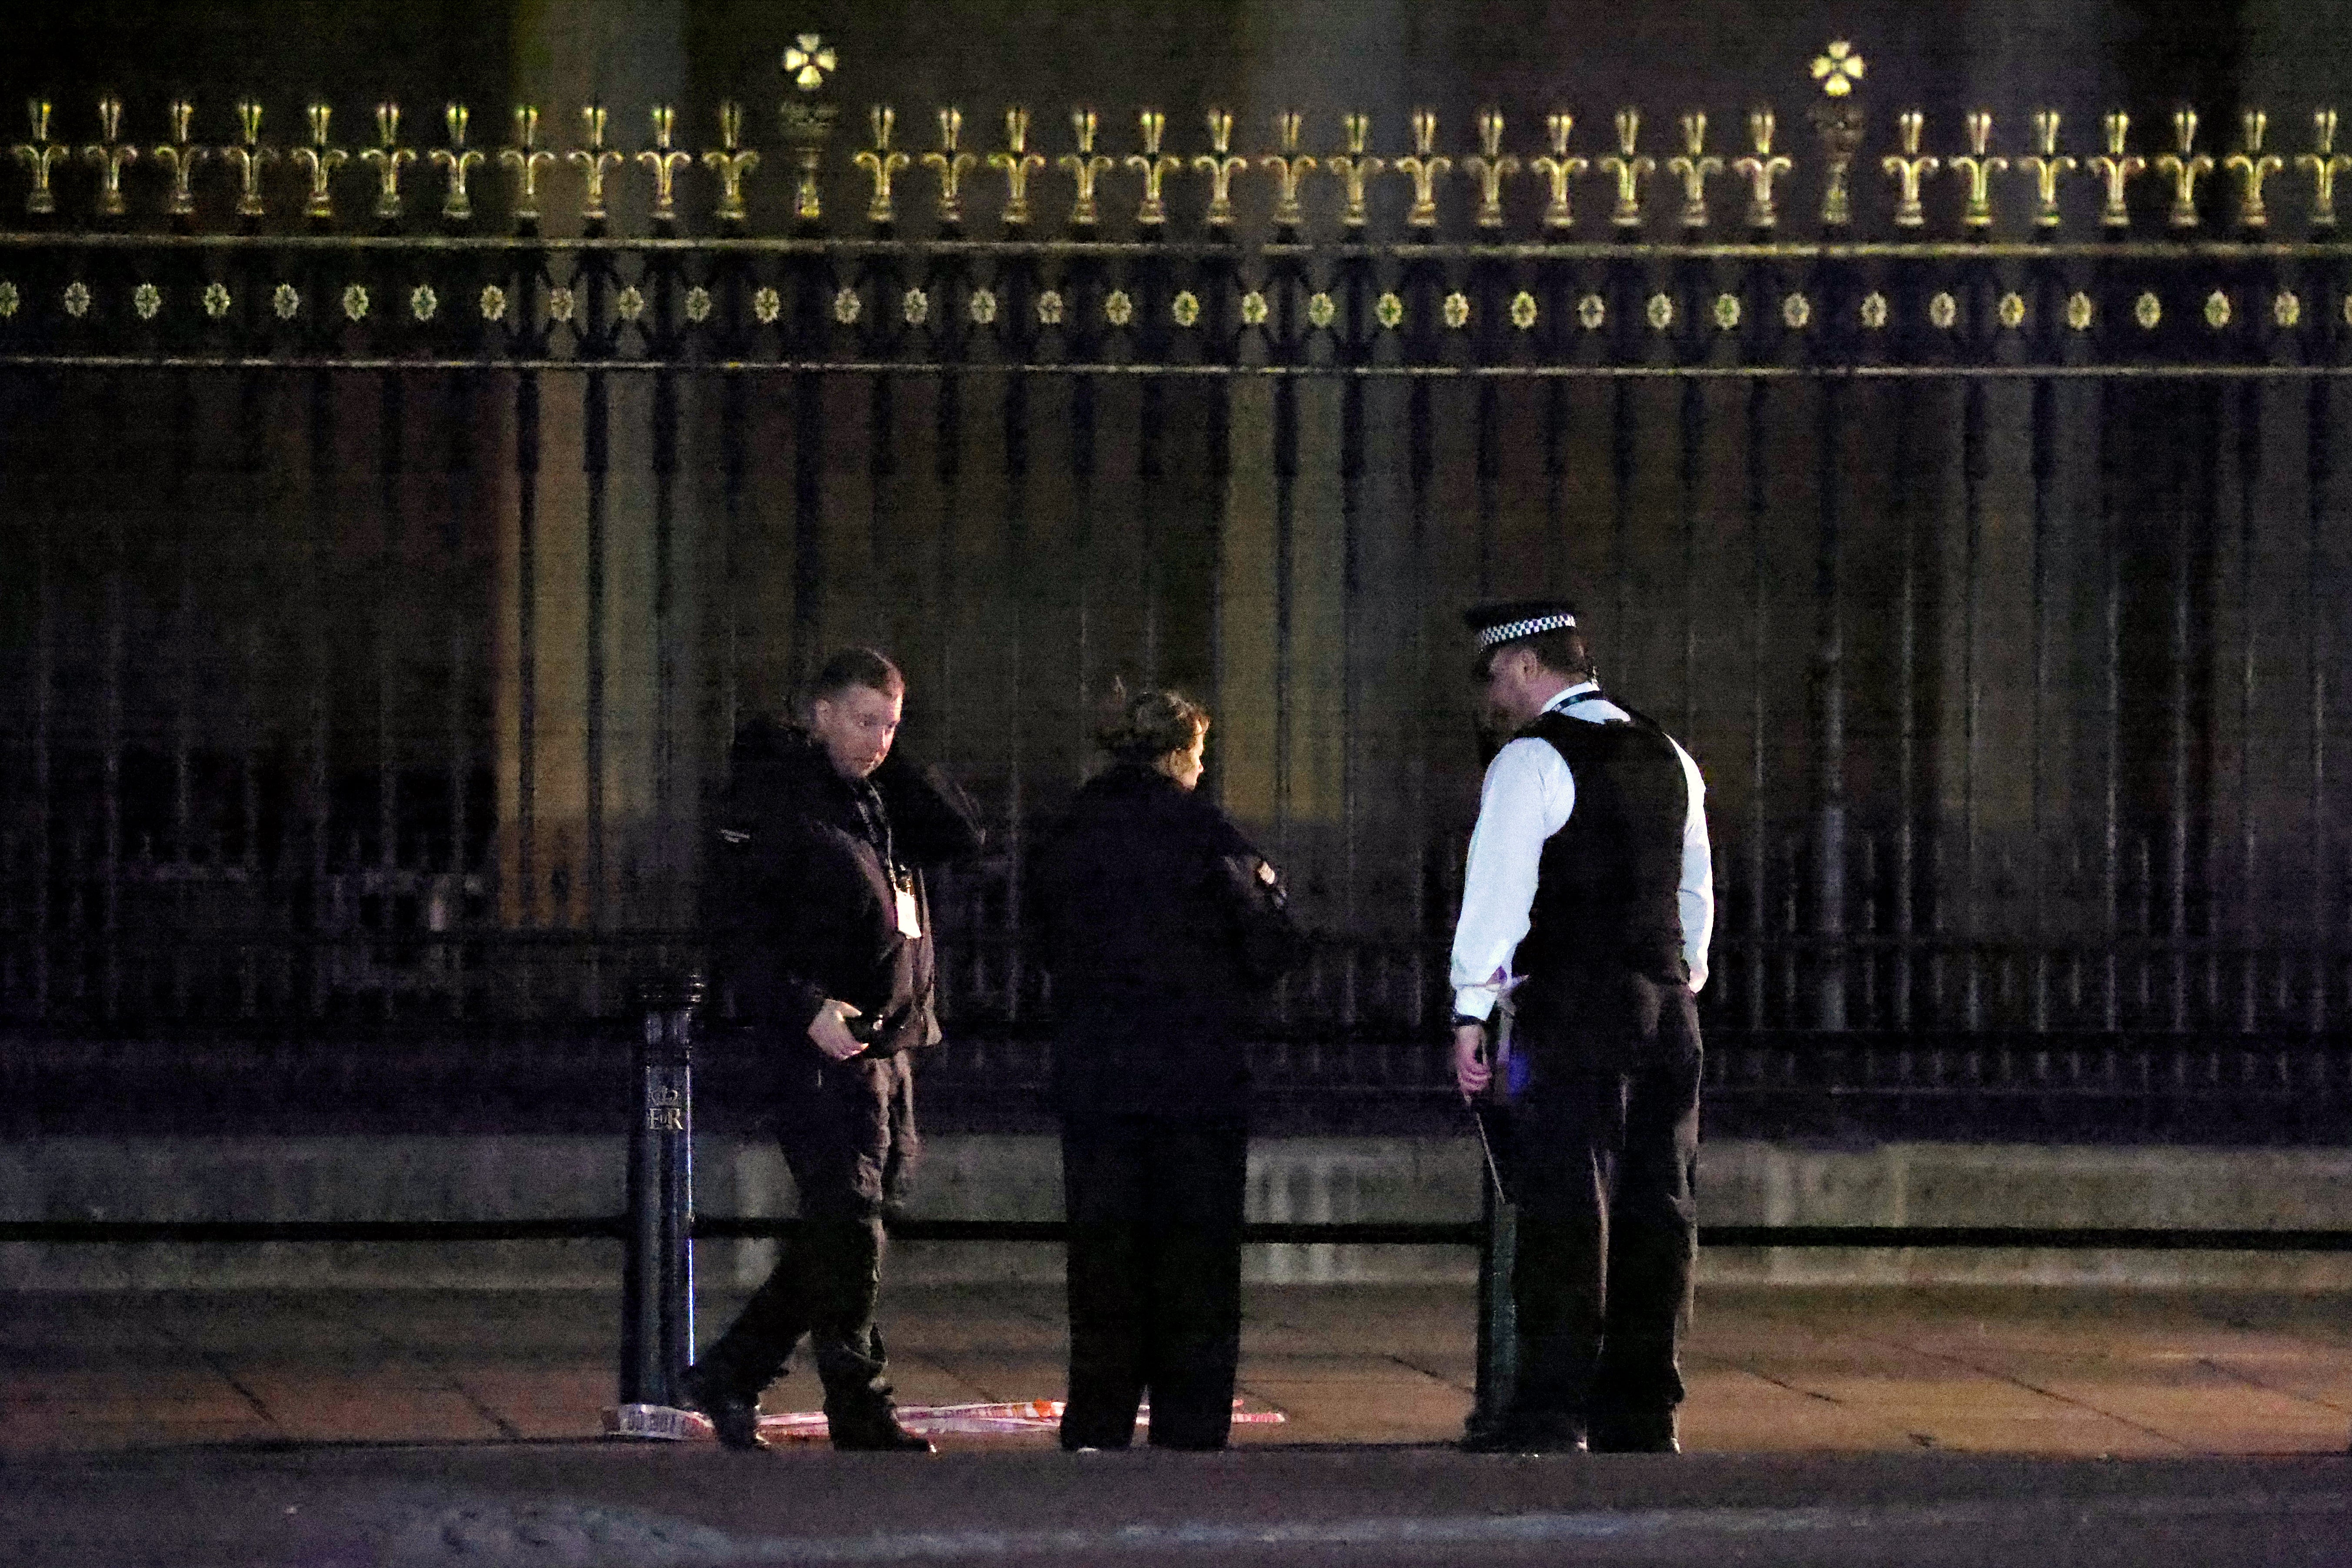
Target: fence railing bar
x,y
1360,1233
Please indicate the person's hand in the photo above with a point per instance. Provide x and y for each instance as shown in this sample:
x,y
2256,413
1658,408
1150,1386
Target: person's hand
x,y
1470,1068
830,1031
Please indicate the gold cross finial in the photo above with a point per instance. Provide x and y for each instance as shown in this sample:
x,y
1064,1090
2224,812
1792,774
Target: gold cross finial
x,y
2116,168
1628,169
2045,163
1761,168
1837,68
1908,167
730,161
1977,166
1085,167
2183,168
1558,167
388,157
180,159
1353,168
524,161
1694,170
1490,167
2253,166
456,161
2322,163
318,162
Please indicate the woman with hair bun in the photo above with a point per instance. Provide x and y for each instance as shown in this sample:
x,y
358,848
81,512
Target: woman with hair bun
x,y
1164,930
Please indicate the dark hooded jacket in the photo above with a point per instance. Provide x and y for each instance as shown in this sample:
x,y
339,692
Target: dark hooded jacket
x,y
802,905
1165,929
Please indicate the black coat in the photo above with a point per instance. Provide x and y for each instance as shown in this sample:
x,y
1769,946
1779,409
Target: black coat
x,y
801,906
1163,931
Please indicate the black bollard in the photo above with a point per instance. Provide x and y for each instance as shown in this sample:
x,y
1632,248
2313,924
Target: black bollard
x,y
657,1260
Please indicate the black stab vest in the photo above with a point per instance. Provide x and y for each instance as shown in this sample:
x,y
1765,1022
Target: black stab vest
x,y
1606,889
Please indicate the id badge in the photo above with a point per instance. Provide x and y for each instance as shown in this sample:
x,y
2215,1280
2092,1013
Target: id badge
x,y
910,923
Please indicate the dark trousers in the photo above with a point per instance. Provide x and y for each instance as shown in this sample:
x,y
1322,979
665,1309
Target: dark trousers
x,y
848,1135
1600,1154
1155,1213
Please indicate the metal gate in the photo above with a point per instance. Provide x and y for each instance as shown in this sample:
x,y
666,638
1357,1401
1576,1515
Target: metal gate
x,y
393,542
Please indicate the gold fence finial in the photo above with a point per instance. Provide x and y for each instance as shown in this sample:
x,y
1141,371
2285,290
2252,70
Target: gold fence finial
x,y
524,160
1839,120
179,160
2184,168
950,163
1220,164
1085,167
1153,165
40,155
2116,169
1558,167
1761,168
1908,167
881,165
387,157
1016,164
1490,167
664,163
1978,166
1288,167
108,154
1693,167
2045,163
319,162
2253,166
592,161
2322,163
456,162
1354,168
1425,166
807,122
247,158
730,161
1628,169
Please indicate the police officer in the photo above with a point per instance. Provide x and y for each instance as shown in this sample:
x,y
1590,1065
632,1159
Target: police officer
x,y
1586,908
823,935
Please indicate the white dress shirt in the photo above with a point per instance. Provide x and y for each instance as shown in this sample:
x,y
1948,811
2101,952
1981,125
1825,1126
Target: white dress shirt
x,y
1529,795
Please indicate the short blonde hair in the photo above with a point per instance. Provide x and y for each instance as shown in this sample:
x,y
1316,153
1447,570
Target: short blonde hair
x,y
1150,724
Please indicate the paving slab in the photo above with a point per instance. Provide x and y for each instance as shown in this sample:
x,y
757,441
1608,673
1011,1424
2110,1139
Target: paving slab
x,y
1771,1369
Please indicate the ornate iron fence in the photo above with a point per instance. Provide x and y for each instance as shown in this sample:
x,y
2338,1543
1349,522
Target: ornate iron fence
x,y
390,566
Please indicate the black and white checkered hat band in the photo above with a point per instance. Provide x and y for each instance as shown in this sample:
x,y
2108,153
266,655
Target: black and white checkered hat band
x,y
1512,631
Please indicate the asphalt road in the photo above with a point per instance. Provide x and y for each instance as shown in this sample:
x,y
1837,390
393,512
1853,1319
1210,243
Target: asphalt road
x,y
592,1503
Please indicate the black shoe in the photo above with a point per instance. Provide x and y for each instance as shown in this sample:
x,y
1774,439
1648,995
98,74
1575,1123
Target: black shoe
x,y
877,1434
1647,1434
1523,1438
734,1415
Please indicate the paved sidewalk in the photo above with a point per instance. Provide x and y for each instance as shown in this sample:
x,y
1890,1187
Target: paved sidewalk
x,y
2048,1372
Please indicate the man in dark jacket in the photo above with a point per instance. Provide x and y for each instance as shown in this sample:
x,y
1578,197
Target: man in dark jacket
x,y
822,938
1165,929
